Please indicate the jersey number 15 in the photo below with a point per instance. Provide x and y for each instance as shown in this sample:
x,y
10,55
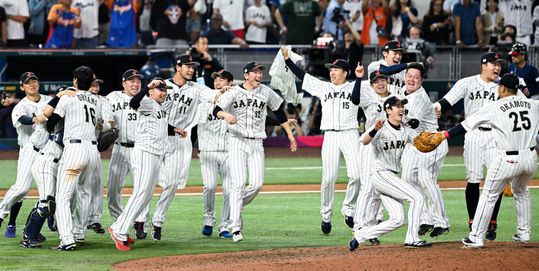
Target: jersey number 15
x,y
520,120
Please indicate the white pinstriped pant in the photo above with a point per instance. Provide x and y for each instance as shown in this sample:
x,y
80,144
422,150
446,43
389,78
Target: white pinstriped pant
x,y
368,202
145,175
393,191
44,172
246,156
120,166
18,190
335,143
421,170
96,196
211,163
479,148
78,164
519,169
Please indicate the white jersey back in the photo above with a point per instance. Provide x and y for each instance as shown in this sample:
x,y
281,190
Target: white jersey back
x,y
182,102
476,93
514,119
212,132
26,108
338,111
373,106
250,109
151,127
388,145
124,116
394,82
419,107
80,114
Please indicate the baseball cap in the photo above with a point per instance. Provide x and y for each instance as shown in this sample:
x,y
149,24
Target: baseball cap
x,y
518,49
130,74
338,63
393,45
186,60
394,100
223,74
27,75
98,81
490,57
251,66
376,74
509,80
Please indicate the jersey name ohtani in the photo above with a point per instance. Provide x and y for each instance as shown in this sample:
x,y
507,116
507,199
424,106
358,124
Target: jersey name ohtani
x,y
391,145
482,94
88,99
338,95
120,106
515,104
249,103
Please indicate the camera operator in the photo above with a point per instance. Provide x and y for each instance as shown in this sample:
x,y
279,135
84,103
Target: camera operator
x,y
334,19
417,49
208,64
352,48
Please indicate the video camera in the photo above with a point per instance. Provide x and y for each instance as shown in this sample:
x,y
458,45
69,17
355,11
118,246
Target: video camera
x,y
338,14
414,51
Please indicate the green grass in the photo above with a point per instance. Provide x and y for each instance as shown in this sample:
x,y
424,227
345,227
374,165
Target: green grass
x,y
271,221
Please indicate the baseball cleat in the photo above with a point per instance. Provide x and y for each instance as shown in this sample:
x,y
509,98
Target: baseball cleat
x,y
120,245
40,238
418,244
471,244
491,231
97,228
437,231
68,247
349,221
517,238
326,227
51,224
207,230
424,228
10,231
225,234
353,245
374,241
27,243
237,236
139,230
156,233
130,240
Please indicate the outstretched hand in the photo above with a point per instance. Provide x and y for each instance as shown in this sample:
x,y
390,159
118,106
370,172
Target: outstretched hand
x,y
284,52
360,71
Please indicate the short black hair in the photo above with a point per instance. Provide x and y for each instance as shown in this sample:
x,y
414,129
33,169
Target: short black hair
x,y
197,38
84,76
418,67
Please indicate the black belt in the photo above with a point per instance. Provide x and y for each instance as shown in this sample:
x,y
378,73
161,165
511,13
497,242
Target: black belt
x,y
55,160
80,141
126,144
250,138
332,130
35,149
516,152
484,129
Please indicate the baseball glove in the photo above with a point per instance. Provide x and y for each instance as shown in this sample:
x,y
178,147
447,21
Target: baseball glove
x,y
428,141
106,139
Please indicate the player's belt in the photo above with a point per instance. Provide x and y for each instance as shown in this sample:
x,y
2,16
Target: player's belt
x,y
55,160
126,144
80,141
484,129
516,152
332,130
35,149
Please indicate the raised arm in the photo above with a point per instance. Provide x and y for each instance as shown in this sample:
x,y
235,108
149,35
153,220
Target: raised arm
x,y
290,64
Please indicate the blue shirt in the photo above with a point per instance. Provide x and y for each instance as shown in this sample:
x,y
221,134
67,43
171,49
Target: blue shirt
x,y
530,75
468,15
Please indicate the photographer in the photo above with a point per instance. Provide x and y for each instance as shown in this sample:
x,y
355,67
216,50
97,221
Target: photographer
x,y
352,48
417,49
376,22
208,64
334,19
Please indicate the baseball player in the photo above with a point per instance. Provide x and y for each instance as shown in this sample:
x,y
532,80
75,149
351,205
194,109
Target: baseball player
x,y
389,138
146,157
125,119
515,122
528,74
244,107
213,154
391,65
422,169
23,117
341,135
479,144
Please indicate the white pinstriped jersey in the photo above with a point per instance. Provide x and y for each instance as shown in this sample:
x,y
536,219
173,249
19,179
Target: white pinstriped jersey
x,y
420,107
182,101
249,107
106,113
394,82
124,116
338,111
152,127
26,108
40,136
519,14
212,132
373,107
514,119
476,93
388,145
80,114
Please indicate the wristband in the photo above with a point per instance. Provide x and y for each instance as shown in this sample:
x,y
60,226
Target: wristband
x,y
373,132
446,134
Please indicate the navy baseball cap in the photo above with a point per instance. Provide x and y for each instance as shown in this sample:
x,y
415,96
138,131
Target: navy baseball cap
x,y
491,57
223,74
518,49
338,63
186,60
394,100
162,85
130,74
26,76
251,66
393,45
376,74
509,80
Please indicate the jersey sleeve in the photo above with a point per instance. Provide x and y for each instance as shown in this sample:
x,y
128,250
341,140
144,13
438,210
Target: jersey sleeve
x,y
366,94
206,94
313,85
146,105
226,99
274,100
485,115
418,107
456,92
61,107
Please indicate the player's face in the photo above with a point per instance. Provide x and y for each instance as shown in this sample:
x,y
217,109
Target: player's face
x,y
31,87
392,57
395,113
413,80
491,70
380,86
94,89
254,78
518,58
219,83
132,86
158,95
186,71
337,76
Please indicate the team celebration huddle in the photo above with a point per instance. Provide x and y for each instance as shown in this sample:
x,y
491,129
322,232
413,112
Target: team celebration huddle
x,y
397,159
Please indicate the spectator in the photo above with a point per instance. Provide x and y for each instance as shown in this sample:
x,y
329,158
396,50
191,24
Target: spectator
x,y
352,49
257,19
3,27
437,24
334,19
86,36
449,5
492,22
194,20
17,14
7,103
319,20
403,14
418,50
376,22
527,74
232,11
103,20
315,116
64,19
122,33
292,112
168,19
208,63
39,28
300,22
217,35
468,27
146,37
536,24
519,14
353,9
